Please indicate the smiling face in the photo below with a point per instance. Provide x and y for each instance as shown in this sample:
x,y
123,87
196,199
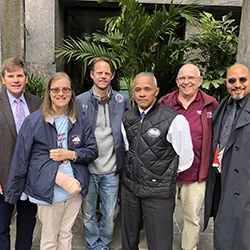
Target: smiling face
x,y
60,95
188,81
102,76
15,81
145,91
238,81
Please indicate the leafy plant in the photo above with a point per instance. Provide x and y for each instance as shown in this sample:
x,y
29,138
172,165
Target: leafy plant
x,y
216,49
134,41
36,85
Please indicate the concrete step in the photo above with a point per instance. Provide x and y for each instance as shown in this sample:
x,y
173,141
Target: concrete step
x,y
206,238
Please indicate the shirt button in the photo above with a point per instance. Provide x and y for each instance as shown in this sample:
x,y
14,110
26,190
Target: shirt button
x,y
236,148
236,170
237,193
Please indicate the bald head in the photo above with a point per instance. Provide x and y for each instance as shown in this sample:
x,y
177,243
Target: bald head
x,y
191,68
188,81
236,68
237,81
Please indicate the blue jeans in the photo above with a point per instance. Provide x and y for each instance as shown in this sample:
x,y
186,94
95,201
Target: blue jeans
x,y
99,234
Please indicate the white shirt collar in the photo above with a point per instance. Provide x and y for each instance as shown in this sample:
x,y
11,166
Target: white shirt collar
x,y
145,111
12,98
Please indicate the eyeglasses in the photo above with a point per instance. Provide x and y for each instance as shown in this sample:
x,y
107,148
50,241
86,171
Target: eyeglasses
x,y
233,80
64,90
189,78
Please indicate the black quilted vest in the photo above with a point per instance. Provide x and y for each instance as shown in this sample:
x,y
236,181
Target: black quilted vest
x,y
151,164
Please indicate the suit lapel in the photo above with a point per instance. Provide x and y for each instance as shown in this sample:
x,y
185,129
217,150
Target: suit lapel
x,y
30,103
7,112
217,121
243,120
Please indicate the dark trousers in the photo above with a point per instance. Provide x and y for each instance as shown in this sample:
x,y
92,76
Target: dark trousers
x,y
25,224
157,215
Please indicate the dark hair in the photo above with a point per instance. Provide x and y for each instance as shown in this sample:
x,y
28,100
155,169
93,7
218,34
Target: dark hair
x,y
102,59
12,64
47,109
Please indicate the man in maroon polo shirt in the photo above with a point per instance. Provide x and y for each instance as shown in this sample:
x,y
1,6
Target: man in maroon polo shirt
x,y
198,108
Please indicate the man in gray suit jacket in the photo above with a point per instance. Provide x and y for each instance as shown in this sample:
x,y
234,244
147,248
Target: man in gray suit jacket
x,y
15,105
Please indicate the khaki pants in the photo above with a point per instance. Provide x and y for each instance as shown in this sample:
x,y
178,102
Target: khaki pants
x,y
57,221
192,198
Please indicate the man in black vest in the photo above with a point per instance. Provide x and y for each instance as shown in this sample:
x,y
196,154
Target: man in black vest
x,y
158,145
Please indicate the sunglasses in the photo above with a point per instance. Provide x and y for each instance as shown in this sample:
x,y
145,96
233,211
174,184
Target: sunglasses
x,y
57,90
233,80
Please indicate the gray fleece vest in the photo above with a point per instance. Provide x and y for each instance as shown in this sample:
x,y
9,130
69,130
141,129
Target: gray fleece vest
x,y
106,161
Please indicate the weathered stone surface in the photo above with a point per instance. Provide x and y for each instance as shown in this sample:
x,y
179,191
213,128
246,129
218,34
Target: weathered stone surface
x,y
12,34
199,2
40,35
243,55
206,238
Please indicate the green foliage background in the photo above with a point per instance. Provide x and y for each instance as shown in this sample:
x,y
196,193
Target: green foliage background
x,y
137,40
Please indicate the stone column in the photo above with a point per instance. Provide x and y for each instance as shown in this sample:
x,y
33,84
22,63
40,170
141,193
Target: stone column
x,y
243,55
189,31
40,36
11,28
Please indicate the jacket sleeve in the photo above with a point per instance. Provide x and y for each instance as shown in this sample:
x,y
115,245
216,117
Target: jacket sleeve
x,y
127,103
88,152
19,164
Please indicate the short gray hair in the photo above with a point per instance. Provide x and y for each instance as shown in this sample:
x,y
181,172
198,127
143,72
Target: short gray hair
x,y
146,74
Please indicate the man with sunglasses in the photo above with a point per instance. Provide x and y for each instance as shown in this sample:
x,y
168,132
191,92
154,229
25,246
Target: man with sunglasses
x,y
227,194
198,108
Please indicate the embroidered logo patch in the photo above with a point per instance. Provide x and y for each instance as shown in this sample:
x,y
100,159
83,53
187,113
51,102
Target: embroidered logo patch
x,y
76,139
154,132
119,98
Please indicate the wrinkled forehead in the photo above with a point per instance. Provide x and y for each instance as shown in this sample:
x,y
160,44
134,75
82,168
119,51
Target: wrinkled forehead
x,y
18,70
188,70
144,81
238,71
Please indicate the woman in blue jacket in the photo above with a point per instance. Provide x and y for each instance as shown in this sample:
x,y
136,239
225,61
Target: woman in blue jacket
x,y
50,162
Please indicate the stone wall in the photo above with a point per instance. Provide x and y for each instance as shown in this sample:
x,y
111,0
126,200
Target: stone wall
x,y
40,36
243,55
12,29
199,2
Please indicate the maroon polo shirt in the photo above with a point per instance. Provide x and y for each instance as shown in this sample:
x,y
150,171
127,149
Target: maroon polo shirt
x,y
193,115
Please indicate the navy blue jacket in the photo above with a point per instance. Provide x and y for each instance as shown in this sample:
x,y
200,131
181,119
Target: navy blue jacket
x,y
118,104
32,170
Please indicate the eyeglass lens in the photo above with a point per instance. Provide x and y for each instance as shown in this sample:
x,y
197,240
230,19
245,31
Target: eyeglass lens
x,y
64,90
233,80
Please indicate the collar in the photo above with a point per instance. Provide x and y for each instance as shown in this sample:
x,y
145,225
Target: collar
x,y
176,100
50,119
99,98
240,102
12,99
145,111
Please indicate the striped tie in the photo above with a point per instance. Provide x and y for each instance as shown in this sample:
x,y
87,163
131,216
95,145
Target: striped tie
x,y
20,114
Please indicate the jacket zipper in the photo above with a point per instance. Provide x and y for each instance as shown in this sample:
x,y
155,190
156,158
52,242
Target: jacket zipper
x,y
105,114
136,168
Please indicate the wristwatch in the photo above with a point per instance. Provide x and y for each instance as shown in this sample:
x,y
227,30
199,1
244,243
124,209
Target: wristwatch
x,y
75,157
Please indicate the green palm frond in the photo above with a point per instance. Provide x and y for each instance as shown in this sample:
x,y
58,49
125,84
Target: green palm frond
x,y
134,40
85,52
